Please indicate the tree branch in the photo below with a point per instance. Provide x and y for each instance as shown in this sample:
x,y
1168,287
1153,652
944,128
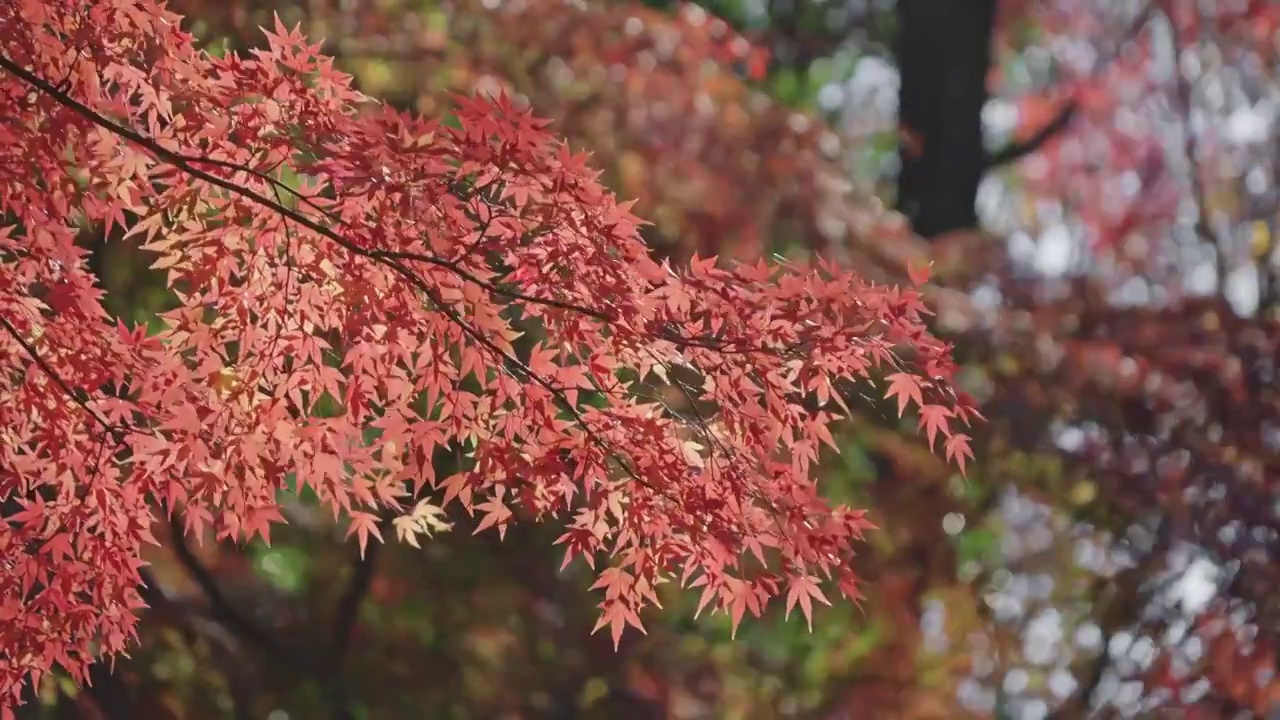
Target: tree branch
x,y
110,693
226,612
389,260
1191,153
1017,150
1060,122
345,617
348,611
187,164
116,432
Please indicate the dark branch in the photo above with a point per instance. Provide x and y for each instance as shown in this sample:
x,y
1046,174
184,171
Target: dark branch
x,y
110,693
328,676
225,612
1082,700
238,674
345,617
1018,150
1190,150
116,432
184,163
388,259
348,611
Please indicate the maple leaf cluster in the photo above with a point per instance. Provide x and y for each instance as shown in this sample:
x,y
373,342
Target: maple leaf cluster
x,y
717,166
359,291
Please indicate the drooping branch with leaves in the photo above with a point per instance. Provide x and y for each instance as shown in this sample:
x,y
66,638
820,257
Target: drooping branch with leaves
x,y
360,290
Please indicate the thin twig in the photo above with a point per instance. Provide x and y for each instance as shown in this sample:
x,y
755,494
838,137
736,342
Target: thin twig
x,y
1191,152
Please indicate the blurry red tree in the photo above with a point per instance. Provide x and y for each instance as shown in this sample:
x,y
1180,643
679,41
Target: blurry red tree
x,y
360,290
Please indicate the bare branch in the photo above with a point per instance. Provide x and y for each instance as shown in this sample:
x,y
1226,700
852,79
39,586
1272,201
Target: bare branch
x,y
1018,150
110,693
1060,122
1191,152
348,611
227,613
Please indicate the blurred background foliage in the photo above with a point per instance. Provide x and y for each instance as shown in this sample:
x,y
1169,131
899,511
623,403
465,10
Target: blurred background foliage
x,y
1095,183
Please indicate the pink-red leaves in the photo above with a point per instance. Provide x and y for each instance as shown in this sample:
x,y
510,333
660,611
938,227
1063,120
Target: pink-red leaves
x,y
958,451
933,418
493,513
338,340
740,596
805,590
363,525
617,611
906,387
919,275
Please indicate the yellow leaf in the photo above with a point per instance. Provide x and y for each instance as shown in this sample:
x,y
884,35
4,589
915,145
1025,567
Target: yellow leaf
x,y
661,371
692,452
1260,238
1083,492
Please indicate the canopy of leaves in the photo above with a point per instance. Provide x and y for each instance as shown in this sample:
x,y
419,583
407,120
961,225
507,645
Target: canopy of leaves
x,y
1127,478
359,290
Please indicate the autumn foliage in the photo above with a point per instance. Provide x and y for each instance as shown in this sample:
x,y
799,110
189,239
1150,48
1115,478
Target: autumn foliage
x,y
359,292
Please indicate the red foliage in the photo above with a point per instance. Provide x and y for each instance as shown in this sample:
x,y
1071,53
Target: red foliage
x,y
422,288
1121,101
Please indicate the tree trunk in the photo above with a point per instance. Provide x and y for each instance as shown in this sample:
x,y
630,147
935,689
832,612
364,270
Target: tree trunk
x,y
943,49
